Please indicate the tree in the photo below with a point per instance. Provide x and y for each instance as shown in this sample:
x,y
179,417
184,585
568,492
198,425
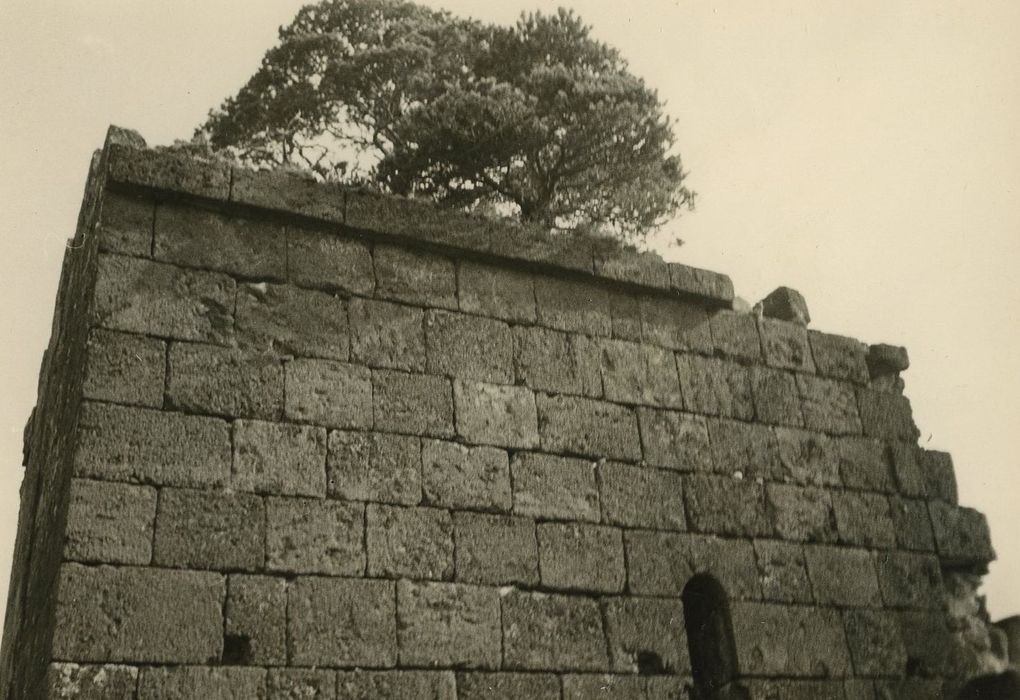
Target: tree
x,y
539,120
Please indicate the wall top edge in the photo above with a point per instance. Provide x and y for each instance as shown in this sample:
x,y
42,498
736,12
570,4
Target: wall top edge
x,y
192,173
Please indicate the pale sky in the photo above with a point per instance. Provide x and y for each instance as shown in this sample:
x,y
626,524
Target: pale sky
x,y
865,153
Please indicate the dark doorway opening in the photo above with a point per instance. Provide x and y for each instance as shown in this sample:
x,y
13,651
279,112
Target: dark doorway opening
x,y
709,637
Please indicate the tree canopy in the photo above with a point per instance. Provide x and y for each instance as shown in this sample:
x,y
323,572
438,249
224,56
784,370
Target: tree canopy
x,y
539,120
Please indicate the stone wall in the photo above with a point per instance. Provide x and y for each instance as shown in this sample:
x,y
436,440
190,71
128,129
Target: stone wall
x,y
304,442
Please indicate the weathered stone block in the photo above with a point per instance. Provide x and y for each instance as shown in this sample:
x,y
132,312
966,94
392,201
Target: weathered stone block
x,y
499,292
843,577
409,542
802,514
448,624
864,464
675,324
674,440
884,359
646,268
829,406
552,632
69,681
558,362
938,474
930,648
715,387
747,450
333,394
285,320
581,557
906,469
839,357
209,530
909,580
368,635
641,497
776,397
222,683
315,536
134,444
625,310
578,686
644,635
374,467
120,614
168,169
492,414
288,190
641,374
455,476
783,572
561,488
863,519
495,549
141,296
124,369
192,237
886,415
508,686
224,381
661,563
703,283
808,458
279,458
387,335
369,685
912,523
785,345
813,640
735,335
588,427
256,621
785,304
468,347
415,277
761,689
961,535
109,522
727,506
568,304
300,684
875,643
412,403
125,224
325,260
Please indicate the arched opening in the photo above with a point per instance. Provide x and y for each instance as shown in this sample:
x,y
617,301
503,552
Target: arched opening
x,y
709,637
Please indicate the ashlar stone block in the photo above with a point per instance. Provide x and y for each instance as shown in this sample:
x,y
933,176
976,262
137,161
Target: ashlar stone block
x,y
581,557
558,488
374,467
448,624
122,368
279,458
409,542
109,522
315,536
552,632
455,476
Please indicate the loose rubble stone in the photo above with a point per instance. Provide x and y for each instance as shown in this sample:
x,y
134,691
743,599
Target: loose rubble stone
x,y
785,304
885,359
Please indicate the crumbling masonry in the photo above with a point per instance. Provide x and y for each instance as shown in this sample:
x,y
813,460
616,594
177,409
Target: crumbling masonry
x,y
294,441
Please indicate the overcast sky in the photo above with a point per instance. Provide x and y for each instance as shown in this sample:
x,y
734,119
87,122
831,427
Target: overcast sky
x,y
864,153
